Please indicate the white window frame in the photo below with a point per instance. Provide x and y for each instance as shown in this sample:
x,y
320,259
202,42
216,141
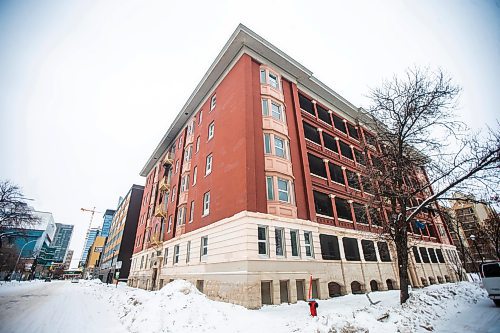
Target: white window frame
x,y
213,102
176,166
204,248
288,191
283,148
267,144
198,144
188,251
270,195
176,253
195,175
269,74
165,258
173,194
208,164
181,216
265,107
280,116
297,233
263,78
200,117
206,203
283,243
191,211
264,241
211,130
308,245
185,183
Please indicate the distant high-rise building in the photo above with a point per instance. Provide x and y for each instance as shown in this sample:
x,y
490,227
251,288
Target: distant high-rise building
x,y
92,233
106,224
67,259
61,240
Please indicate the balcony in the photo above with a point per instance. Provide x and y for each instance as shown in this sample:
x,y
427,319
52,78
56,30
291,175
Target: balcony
x,y
168,159
164,184
160,211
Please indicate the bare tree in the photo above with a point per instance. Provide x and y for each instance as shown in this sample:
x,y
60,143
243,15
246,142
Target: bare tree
x,y
14,210
414,165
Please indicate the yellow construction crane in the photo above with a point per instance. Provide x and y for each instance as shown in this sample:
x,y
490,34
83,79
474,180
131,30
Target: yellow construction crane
x,y
93,211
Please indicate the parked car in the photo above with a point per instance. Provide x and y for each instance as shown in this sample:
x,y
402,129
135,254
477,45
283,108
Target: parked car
x,y
490,273
74,280
48,279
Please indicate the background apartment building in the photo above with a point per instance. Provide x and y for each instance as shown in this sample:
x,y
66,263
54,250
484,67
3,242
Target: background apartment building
x,y
258,185
92,233
61,241
120,243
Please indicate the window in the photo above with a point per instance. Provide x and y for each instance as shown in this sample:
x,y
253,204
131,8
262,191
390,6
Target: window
x,y
432,254
375,216
367,185
369,250
211,128
370,139
360,157
353,131
323,114
346,151
188,251
206,203
353,180
265,107
329,247
200,117
169,223
283,190
343,209
323,204
213,102
191,211
262,240
351,249
195,174
311,133
176,254
339,123
198,144
181,216
306,105
267,143
439,254
204,247
262,76
383,251
308,244
270,188
273,80
330,142
360,213
142,261
173,195
180,143
276,111
294,239
184,183
336,173
424,255
176,166
279,147
416,255
279,236
316,165
208,165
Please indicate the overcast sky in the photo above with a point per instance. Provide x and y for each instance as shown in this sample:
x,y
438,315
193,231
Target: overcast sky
x,y
88,88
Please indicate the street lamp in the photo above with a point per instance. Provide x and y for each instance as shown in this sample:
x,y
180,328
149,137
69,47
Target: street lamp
x,y
473,238
19,257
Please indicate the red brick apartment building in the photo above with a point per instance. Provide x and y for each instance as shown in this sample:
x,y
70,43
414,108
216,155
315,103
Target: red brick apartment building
x,y
258,185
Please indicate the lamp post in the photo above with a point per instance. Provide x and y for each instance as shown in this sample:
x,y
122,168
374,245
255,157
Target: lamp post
x,y
19,257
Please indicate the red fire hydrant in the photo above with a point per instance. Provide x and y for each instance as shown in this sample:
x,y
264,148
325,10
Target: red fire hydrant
x,y
313,305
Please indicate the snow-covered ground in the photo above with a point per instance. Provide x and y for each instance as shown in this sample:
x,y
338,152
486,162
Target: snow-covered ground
x,y
90,306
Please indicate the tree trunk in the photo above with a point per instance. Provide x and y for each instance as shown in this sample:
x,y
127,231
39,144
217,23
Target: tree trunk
x,y
402,252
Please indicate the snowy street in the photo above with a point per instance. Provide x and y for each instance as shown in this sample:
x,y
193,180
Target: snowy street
x,y
90,306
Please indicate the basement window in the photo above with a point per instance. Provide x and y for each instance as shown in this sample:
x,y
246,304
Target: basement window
x,y
311,133
316,166
323,204
262,240
306,105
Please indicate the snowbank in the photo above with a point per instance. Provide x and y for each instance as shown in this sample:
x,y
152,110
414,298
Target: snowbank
x,y
180,307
